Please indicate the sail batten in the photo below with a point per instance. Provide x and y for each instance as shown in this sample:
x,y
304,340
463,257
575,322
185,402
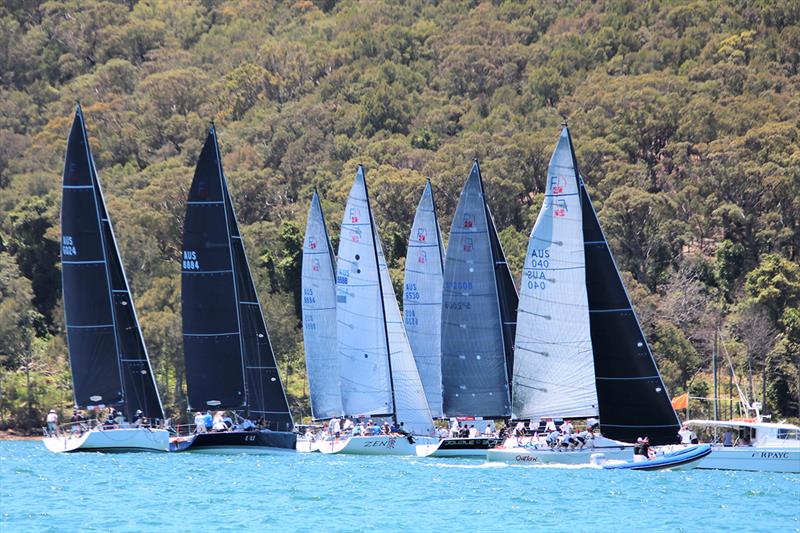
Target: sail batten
x,y
319,317
422,297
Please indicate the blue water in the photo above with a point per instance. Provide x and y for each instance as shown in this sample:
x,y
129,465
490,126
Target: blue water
x,y
42,491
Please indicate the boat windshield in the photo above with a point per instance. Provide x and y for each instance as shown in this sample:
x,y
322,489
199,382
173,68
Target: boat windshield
x,y
788,434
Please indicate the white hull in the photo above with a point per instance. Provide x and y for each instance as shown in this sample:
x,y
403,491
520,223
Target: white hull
x,y
111,441
531,456
771,459
308,446
376,445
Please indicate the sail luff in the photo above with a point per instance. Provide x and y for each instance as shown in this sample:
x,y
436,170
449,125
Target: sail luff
x,y
422,298
319,317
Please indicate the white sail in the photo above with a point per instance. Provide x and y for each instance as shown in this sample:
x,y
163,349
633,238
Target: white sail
x,y
422,298
554,364
319,317
361,330
411,407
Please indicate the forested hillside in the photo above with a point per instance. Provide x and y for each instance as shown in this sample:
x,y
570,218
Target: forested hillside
x,y
685,117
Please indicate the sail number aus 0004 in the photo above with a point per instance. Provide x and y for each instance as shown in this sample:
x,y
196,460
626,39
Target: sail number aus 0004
x,y
190,261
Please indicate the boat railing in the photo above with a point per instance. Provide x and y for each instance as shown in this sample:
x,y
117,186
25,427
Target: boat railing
x,y
185,430
76,429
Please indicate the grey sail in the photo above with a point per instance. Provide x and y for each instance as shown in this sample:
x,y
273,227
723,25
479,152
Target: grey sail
x,y
553,358
319,317
361,329
422,298
474,355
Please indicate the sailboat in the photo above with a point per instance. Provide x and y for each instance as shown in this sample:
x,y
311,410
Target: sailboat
x,y
319,321
379,378
579,350
479,306
230,364
110,366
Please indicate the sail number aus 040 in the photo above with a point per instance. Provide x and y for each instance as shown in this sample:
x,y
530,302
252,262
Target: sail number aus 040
x,y
68,246
190,261
539,259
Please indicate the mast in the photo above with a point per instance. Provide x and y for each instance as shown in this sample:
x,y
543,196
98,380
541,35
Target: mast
x,y
380,291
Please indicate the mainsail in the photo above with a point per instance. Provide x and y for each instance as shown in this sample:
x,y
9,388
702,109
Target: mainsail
x,y
379,375
479,303
319,317
422,298
229,360
109,361
554,365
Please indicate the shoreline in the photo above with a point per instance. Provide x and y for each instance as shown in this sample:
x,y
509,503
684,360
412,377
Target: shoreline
x,y
13,435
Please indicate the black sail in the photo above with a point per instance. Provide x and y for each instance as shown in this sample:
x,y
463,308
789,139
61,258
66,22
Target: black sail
x,y
108,357
632,398
229,360
507,297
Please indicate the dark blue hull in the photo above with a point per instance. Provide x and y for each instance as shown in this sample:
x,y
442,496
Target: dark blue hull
x,y
240,442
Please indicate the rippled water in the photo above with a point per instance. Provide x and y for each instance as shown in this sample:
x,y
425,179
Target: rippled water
x,y
42,491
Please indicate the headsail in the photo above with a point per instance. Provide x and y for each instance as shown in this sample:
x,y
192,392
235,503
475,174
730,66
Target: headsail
x,y
554,365
229,360
361,328
422,298
108,357
474,355
319,317
633,399
411,406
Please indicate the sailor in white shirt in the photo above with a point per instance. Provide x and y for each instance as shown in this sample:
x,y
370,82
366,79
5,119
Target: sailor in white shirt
x,y
335,426
567,428
685,434
348,425
550,426
473,432
489,429
454,427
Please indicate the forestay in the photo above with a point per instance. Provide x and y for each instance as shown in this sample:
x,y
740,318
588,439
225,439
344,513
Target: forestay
x,y
474,365
319,317
554,364
422,298
361,329
108,357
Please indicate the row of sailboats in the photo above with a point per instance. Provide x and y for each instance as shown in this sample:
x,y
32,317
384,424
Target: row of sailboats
x,y
569,347
579,349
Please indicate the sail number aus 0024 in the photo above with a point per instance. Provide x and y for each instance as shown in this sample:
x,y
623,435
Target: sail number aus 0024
x,y
68,246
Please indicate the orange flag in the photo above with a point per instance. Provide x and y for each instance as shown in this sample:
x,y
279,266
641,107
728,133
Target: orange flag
x,y
681,402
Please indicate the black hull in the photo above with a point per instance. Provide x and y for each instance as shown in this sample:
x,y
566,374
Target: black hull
x,y
241,442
